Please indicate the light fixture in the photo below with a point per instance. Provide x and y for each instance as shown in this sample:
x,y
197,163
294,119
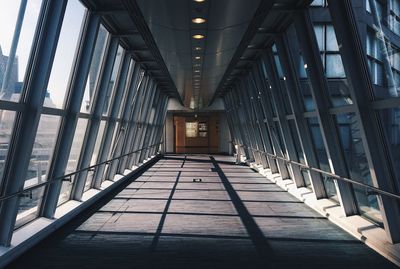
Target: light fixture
x,y
197,48
198,20
197,57
305,66
197,71
199,1
198,36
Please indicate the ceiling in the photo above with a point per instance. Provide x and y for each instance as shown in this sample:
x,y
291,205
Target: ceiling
x,y
170,23
160,36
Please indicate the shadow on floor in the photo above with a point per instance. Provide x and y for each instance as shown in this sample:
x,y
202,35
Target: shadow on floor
x,y
220,222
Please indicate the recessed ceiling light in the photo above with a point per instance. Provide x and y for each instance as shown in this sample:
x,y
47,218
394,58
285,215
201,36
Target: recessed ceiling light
x,y
197,48
197,57
198,36
199,1
198,20
197,71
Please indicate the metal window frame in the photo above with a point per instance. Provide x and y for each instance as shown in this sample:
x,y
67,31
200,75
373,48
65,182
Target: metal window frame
x,y
115,103
26,123
76,89
356,68
102,84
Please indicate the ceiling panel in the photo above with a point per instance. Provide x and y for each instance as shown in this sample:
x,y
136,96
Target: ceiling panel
x,y
171,26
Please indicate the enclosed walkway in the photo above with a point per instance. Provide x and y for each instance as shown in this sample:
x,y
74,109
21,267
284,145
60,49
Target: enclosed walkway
x,y
201,211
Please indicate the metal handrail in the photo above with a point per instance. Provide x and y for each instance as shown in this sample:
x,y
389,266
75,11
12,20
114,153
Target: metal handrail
x,y
310,168
52,180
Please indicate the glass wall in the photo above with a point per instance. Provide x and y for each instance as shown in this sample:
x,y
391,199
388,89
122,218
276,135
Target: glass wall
x,y
48,129
362,124
24,22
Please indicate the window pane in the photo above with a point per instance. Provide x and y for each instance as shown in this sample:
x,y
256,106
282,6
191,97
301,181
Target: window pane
x,y
65,52
6,125
42,149
322,156
28,206
276,134
319,34
98,142
383,56
11,88
282,90
111,86
332,62
115,139
334,66
96,152
126,91
390,119
299,151
305,84
73,159
357,164
39,164
331,42
317,3
94,70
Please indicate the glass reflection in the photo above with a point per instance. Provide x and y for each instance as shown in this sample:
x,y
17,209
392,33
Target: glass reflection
x,y
14,57
73,159
332,62
6,125
94,70
322,156
357,164
65,52
390,119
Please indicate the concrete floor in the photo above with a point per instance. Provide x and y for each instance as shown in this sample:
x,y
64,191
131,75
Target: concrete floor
x,y
233,218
